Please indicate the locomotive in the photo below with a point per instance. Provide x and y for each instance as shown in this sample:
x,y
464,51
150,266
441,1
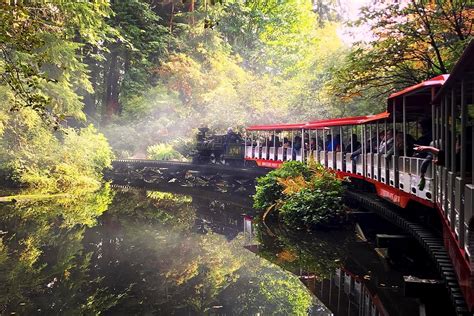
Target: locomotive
x,y
225,149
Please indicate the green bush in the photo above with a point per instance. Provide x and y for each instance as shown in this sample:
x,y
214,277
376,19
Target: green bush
x,y
163,152
36,157
302,195
312,207
269,190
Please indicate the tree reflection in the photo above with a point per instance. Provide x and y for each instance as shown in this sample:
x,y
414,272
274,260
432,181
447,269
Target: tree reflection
x,y
144,255
42,261
316,255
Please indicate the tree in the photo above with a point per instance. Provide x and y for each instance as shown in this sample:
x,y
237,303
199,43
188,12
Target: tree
x,y
40,61
408,44
42,75
130,58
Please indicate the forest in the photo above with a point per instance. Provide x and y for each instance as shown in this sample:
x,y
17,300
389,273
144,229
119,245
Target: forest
x,y
84,82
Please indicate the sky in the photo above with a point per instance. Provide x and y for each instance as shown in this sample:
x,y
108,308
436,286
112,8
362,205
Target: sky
x,y
351,35
353,6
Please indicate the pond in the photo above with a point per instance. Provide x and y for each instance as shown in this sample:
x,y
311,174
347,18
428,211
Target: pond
x,y
139,251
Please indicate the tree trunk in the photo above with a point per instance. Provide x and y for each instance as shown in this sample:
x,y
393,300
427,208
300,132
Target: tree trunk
x,y
111,100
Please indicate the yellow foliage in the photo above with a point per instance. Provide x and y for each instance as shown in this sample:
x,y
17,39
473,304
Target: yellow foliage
x,y
31,253
287,255
293,185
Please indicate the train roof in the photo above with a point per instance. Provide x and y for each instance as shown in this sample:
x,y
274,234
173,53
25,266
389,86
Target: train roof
x,y
276,127
417,98
353,120
322,124
422,87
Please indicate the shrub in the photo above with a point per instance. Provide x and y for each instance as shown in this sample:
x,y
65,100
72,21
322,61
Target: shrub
x,y
269,190
163,152
38,158
303,195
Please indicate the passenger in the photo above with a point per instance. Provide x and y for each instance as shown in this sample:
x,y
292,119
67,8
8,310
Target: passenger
x,y
306,140
398,146
357,152
426,132
386,142
333,143
320,144
286,145
410,143
435,150
231,136
296,146
328,142
355,144
380,140
269,142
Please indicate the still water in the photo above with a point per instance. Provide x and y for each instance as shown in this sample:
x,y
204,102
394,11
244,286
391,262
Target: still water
x,y
135,251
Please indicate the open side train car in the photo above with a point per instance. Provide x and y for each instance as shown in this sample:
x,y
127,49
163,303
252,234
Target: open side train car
x,y
446,104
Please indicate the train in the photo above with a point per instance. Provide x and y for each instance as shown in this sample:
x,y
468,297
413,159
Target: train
x,y
225,149
356,148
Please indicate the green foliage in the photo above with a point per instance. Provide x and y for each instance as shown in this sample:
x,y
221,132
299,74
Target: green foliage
x,y
38,225
36,158
303,195
163,152
276,289
269,189
262,62
40,60
420,39
312,207
42,73
320,252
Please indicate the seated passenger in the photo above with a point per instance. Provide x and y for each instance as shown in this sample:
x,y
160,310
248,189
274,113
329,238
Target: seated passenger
x,y
437,149
410,143
333,143
398,148
296,146
312,144
355,144
269,142
426,133
368,146
231,136
320,143
328,141
297,143
386,142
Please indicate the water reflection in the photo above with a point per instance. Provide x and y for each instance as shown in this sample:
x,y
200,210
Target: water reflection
x,y
135,252
138,251
348,275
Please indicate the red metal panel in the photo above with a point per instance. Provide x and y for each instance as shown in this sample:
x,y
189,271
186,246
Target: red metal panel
x,y
343,121
266,163
459,259
322,124
436,81
276,127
